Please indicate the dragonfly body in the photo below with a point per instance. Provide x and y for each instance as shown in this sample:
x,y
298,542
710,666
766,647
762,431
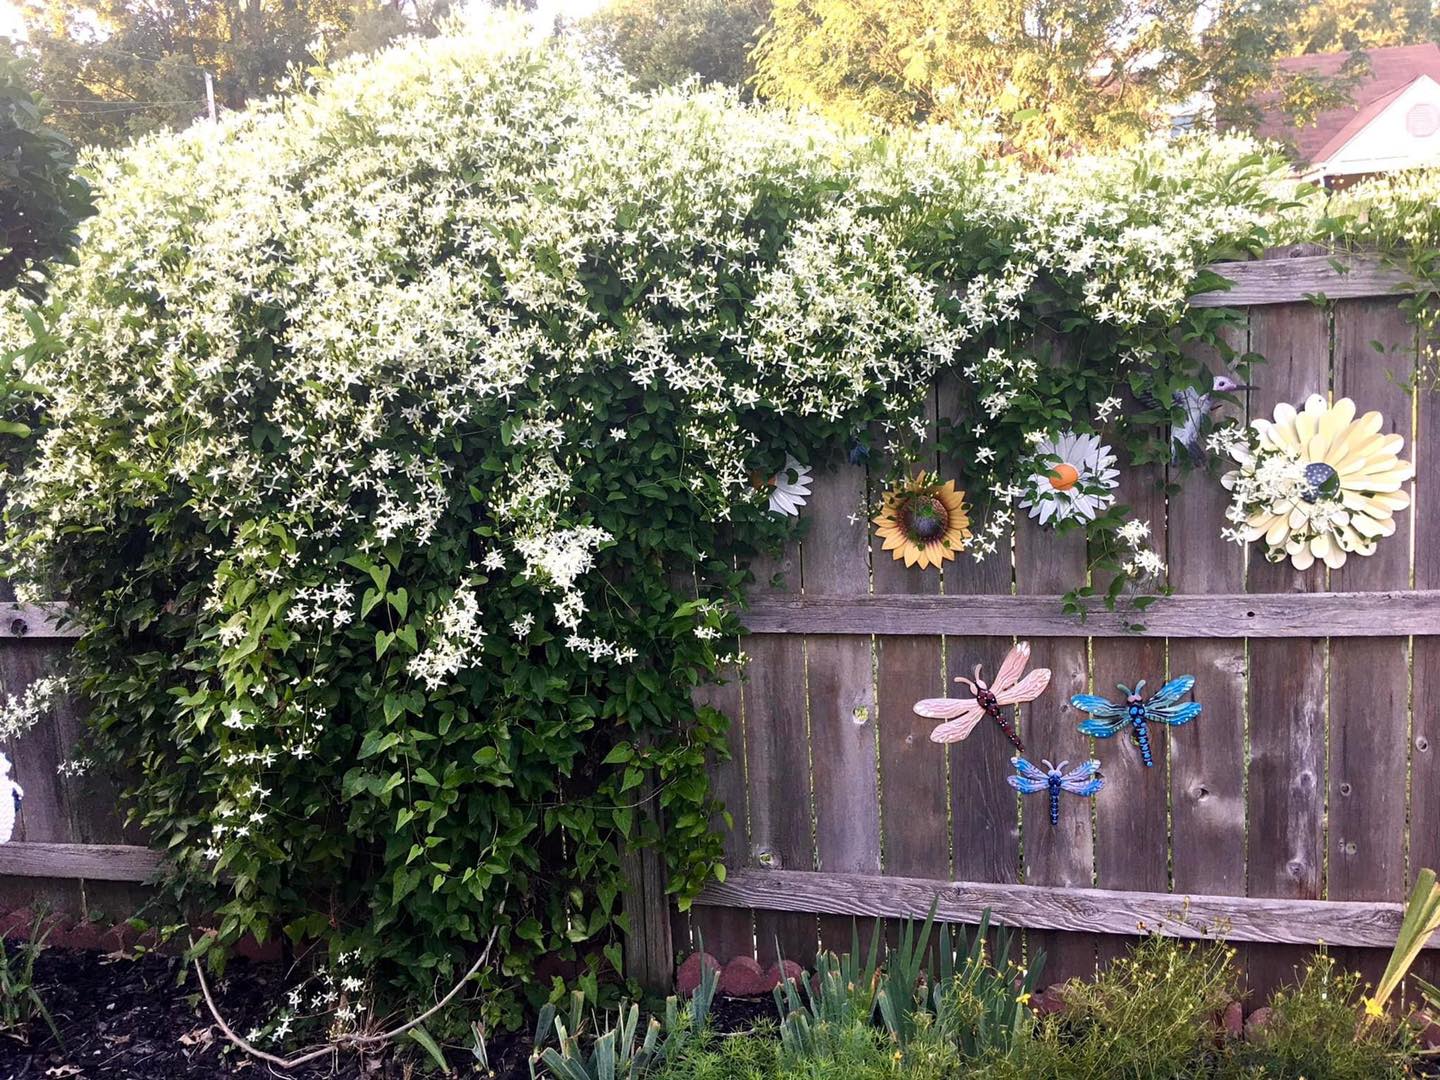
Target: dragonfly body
x,y
1139,712
961,714
1053,779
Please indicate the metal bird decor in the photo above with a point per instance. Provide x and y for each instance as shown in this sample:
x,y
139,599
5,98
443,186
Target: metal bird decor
x,y
961,714
10,796
1189,434
1165,707
1085,781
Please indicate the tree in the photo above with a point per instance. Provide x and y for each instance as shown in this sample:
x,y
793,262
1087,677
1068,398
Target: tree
x,y
1331,25
41,199
119,68
1057,74
661,42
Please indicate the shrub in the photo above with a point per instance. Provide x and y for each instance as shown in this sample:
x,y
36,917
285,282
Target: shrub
x,y
397,442
1148,1016
1320,1028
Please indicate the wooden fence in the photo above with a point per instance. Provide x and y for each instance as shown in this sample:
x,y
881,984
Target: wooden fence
x,y
1295,810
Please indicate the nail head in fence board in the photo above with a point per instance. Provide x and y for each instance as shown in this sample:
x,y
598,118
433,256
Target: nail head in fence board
x,y
95,862
778,762
912,768
841,691
1370,678
1286,781
1283,281
1283,613
1207,762
1098,911
727,932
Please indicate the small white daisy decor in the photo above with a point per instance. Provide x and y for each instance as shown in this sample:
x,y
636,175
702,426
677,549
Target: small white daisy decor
x,y
790,488
1316,484
1073,477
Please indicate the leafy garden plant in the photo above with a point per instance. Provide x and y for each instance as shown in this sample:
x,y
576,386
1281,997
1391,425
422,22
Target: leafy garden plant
x,y
394,444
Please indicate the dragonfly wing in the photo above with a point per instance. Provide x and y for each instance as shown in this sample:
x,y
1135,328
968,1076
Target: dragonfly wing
x,y
1103,729
1029,771
1098,707
1080,775
1175,715
1011,668
1088,788
958,728
944,708
1027,689
1171,692
1026,786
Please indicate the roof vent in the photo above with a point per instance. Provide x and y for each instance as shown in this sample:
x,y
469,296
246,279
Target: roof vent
x,y
1423,120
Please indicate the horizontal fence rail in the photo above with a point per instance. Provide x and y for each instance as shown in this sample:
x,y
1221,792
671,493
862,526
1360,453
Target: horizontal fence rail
x,y
1282,615
1099,911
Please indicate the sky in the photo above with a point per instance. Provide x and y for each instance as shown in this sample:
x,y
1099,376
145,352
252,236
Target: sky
x,y
11,25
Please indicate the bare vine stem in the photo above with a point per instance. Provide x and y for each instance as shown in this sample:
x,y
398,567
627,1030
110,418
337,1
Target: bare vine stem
x,y
344,1042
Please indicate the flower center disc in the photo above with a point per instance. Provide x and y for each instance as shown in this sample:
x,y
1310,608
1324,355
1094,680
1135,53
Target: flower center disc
x,y
1324,482
926,518
1064,476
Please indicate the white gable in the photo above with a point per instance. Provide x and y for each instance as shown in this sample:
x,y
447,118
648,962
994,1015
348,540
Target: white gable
x,y
1404,134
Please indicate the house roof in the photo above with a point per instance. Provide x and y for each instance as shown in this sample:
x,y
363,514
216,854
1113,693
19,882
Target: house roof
x,y
1391,71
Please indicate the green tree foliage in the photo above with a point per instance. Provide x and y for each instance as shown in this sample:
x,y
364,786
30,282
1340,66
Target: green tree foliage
x,y
662,42
1332,25
1060,74
120,68
41,199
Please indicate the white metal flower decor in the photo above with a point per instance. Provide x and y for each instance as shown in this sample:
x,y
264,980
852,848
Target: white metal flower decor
x,y
1073,476
1315,483
790,488
10,795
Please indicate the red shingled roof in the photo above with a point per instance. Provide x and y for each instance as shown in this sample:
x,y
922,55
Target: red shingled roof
x,y
1391,71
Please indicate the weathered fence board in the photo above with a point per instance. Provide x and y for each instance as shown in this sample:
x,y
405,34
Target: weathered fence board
x,y
1098,911
1285,614
1285,280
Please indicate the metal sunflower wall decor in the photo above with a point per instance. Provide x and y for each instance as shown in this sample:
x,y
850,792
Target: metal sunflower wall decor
x,y
1315,483
923,522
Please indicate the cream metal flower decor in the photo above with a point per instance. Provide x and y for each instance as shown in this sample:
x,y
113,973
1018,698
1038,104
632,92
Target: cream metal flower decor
x,y
1316,483
1072,477
790,488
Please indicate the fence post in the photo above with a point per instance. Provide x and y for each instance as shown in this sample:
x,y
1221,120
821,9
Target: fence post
x,y
649,951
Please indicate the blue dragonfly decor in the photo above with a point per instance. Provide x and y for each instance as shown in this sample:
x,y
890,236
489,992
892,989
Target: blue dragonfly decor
x,y
1085,781
1138,712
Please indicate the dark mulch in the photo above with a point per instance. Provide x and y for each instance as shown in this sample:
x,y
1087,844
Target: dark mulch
x,y
132,1019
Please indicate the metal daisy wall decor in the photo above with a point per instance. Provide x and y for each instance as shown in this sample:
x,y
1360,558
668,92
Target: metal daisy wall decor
x,y
961,714
790,488
1315,484
923,521
1073,476
10,795
1085,780
1138,712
